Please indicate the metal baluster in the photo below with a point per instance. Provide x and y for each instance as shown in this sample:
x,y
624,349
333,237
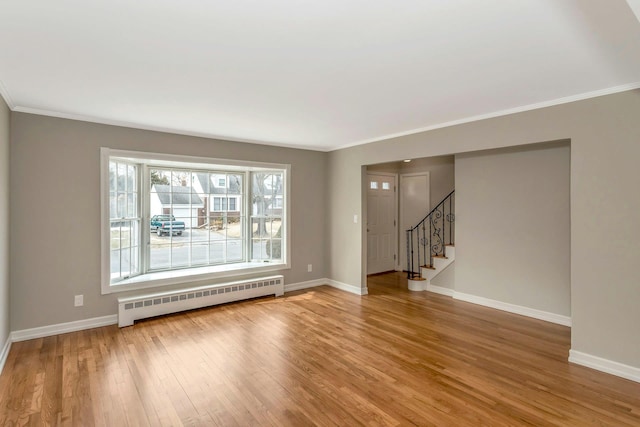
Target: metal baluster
x,y
444,223
424,252
427,241
408,254
418,245
451,216
444,226
430,242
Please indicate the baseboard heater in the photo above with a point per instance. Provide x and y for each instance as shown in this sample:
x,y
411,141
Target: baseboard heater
x,y
156,304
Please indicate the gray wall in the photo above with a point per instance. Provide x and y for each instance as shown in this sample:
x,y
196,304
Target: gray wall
x,y
441,175
4,222
605,230
55,210
446,278
513,226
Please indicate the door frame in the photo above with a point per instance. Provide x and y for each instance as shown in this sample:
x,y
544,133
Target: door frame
x,y
365,222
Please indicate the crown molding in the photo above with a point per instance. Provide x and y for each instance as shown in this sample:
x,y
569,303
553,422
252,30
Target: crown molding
x,y
635,7
131,125
122,123
5,95
529,107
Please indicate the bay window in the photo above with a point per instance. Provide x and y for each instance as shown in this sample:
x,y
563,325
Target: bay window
x,y
170,219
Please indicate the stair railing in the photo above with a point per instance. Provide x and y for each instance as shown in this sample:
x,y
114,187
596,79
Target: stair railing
x,y
429,238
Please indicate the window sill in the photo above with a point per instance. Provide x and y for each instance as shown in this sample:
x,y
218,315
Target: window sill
x,y
191,275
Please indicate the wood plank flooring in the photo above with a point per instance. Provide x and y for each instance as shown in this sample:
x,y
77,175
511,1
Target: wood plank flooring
x,y
316,357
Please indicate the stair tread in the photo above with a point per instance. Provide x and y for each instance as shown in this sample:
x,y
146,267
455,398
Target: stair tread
x,y
418,279
441,256
430,267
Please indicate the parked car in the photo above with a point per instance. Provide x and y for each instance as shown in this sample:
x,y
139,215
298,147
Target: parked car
x,y
166,224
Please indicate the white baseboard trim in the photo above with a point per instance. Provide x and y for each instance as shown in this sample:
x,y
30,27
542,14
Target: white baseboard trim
x,y
513,308
305,285
440,290
604,365
63,328
346,287
5,352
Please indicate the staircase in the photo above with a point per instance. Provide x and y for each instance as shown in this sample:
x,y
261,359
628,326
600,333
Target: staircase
x,y
431,245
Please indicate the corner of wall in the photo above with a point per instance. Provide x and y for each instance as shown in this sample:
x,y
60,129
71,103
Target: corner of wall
x,y
5,228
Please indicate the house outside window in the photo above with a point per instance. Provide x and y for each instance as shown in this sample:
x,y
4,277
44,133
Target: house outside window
x,y
171,214
225,204
219,204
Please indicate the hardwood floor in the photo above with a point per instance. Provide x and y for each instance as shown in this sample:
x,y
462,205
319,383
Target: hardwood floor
x,y
316,357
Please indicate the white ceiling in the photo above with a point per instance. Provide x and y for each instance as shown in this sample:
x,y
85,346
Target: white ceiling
x,y
310,74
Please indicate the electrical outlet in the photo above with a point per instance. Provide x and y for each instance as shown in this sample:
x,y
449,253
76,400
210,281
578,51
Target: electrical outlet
x,y
309,268
78,301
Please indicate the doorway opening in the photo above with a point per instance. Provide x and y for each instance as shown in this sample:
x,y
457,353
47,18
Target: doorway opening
x,y
419,185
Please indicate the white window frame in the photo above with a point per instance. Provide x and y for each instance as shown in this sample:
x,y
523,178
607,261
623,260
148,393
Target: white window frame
x,y
186,275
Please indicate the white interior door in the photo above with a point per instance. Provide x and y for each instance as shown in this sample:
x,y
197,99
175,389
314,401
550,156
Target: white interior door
x,y
381,223
414,206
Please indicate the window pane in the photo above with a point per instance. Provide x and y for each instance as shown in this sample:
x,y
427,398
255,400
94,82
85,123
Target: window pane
x,y
122,176
131,178
125,263
135,233
235,227
276,228
180,255
200,254
197,234
259,227
202,221
115,264
258,249
180,223
113,176
125,254
125,234
113,205
277,184
260,192
179,178
274,249
217,252
159,177
386,186
115,236
234,184
234,250
135,260
121,205
200,182
160,255
217,183
132,205
216,223
373,185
